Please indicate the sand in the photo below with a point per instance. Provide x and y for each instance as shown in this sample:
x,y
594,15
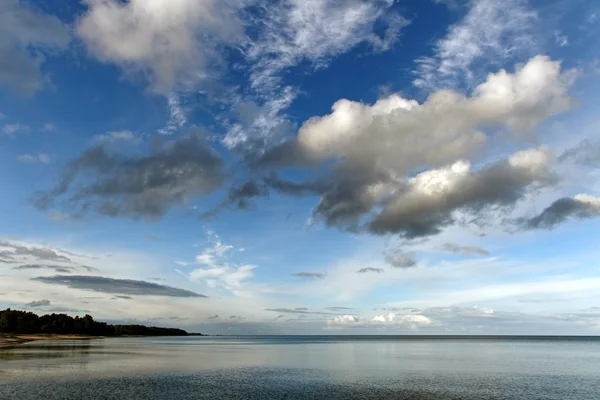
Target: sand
x,y
13,340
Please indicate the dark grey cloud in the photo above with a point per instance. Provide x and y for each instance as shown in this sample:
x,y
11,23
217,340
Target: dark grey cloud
x,y
38,303
296,311
370,269
309,275
123,297
466,250
216,316
136,186
279,317
240,196
301,308
401,260
116,286
27,37
56,268
338,308
579,207
415,213
39,253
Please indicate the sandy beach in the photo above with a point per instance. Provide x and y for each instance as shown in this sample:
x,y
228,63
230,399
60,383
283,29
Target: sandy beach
x,y
14,340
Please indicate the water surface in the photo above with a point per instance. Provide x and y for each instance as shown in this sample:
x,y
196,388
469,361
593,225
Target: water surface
x,y
301,367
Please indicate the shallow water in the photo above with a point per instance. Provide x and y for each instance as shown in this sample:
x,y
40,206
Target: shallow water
x,y
301,367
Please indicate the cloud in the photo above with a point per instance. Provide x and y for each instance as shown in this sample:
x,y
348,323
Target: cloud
x,y
490,33
175,44
217,271
466,250
116,286
309,275
27,37
338,308
296,311
11,129
38,303
34,158
116,137
137,186
177,118
410,321
426,206
374,152
581,206
38,253
288,33
401,260
56,268
152,237
123,297
343,320
369,269
216,316
587,152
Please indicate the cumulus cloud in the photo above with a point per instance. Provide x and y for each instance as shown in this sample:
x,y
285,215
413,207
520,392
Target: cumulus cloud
x,y
343,320
378,148
116,286
309,275
581,206
466,250
426,206
490,33
174,43
369,269
38,303
34,158
137,186
27,37
410,321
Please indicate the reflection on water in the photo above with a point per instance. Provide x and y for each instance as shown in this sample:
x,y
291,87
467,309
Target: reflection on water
x,y
263,368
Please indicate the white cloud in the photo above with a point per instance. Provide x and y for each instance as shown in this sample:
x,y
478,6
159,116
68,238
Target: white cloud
x,y
27,36
402,134
177,118
175,42
11,129
561,40
116,136
492,31
292,32
217,271
34,158
48,127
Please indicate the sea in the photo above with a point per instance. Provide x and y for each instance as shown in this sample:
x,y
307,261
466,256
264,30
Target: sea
x,y
303,367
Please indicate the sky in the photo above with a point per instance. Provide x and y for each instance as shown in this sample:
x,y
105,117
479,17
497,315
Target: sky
x,y
303,166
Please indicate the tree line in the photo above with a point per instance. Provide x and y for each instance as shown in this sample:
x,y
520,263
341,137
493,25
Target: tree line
x,y
25,322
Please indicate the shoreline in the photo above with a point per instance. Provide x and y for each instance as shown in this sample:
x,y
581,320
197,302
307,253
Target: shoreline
x,y
9,341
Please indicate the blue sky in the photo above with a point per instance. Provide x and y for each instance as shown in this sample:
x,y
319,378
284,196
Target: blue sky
x,y
252,166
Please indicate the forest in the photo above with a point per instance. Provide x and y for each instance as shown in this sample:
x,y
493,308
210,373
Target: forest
x,y
25,322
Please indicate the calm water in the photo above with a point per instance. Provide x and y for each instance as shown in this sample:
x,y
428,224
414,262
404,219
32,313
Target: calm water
x,y
295,368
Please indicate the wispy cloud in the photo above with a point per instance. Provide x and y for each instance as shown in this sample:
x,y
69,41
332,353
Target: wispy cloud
x,y
466,250
491,32
309,275
11,129
34,158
